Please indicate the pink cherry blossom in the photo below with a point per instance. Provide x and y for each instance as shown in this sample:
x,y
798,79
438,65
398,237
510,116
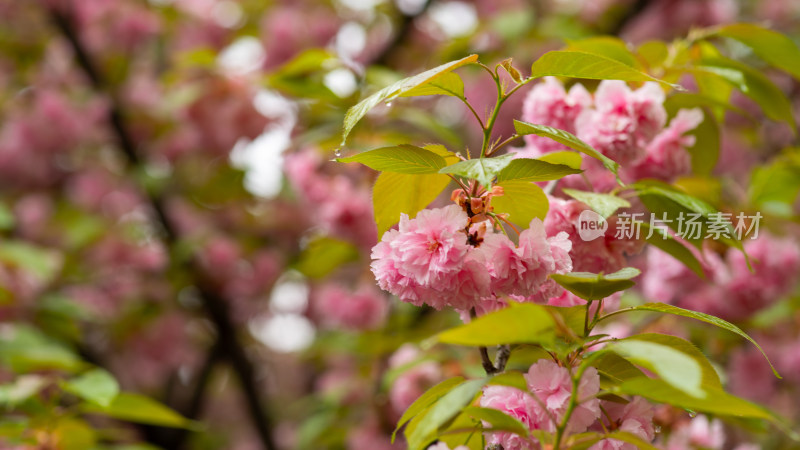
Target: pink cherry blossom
x,y
427,261
552,385
634,417
548,103
699,432
667,155
523,270
418,377
364,309
519,405
605,254
623,122
775,261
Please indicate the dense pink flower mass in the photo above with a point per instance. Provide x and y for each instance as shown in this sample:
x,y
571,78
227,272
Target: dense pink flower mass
x,y
605,254
428,260
667,157
547,399
523,270
623,121
548,103
625,125
731,290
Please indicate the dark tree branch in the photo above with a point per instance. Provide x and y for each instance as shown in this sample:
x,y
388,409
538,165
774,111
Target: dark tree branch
x,y
215,305
404,30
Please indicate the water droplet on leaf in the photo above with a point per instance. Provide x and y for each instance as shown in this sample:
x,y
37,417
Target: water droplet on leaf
x,y
389,104
692,414
338,152
657,429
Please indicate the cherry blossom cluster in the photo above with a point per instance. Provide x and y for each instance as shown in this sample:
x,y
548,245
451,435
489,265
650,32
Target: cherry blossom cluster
x,y
628,126
545,402
731,290
430,260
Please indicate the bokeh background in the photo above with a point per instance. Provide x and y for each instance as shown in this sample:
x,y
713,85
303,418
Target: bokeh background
x,y
169,213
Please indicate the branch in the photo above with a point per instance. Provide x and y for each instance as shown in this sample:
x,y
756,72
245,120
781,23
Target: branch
x,y
404,29
215,305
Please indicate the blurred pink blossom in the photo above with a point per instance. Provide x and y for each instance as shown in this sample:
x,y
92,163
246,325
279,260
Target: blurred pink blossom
x,y
635,417
364,309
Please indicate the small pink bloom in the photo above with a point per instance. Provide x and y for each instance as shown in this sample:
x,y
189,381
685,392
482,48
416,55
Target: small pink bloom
x,y
364,309
418,377
635,417
519,405
667,155
552,385
699,432
623,121
548,103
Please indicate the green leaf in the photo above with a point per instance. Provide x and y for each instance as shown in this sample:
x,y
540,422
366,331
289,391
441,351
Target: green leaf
x,y
447,407
753,84
607,46
40,262
710,378
21,389
399,159
96,386
523,201
576,64
7,219
715,401
654,53
614,369
482,169
525,169
603,204
567,139
25,349
525,323
707,318
447,84
666,243
775,186
140,409
673,366
569,159
358,111
773,47
498,420
394,194
425,400
74,434
323,255
592,286
663,199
